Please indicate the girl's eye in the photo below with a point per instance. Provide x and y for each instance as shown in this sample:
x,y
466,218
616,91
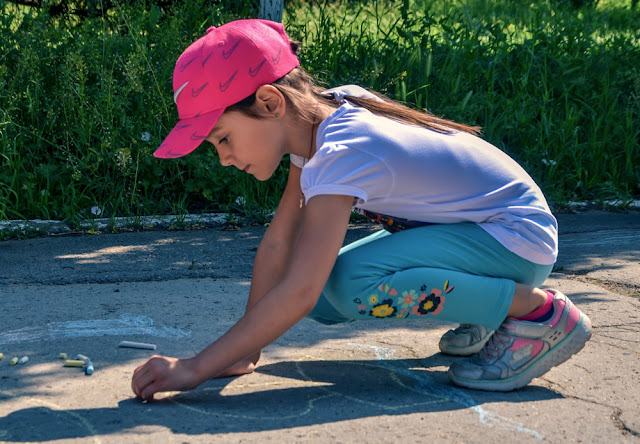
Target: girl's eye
x,y
224,139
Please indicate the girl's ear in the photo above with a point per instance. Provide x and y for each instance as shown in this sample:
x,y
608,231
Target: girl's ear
x,y
270,102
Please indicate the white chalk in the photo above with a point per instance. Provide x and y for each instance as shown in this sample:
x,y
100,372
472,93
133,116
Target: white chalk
x,y
89,369
23,360
142,345
82,358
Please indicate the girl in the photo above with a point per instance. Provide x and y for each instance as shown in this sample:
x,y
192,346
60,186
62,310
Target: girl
x,y
473,237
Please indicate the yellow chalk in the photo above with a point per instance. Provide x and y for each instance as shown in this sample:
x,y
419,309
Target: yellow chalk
x,y
13,361
73,363
1,356
63,356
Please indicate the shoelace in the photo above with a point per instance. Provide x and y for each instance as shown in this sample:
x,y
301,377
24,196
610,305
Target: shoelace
x,y
496,343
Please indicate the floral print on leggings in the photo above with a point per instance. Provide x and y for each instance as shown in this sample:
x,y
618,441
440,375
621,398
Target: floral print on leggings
x,y
388,303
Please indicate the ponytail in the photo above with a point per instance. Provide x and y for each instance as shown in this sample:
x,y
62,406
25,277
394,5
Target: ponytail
x,y
299,90
401,113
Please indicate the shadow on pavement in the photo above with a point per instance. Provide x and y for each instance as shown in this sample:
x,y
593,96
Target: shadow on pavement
x,y
279,396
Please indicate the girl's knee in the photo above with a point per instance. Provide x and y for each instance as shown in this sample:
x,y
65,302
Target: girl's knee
x,y
341,275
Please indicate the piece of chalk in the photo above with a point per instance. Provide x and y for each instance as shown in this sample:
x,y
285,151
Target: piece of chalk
x,y
142,345
13,361
1,356
83,358
73,363
63,356
23,360
89,369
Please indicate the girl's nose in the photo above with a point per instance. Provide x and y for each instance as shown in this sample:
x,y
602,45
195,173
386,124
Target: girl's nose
x,y
225,159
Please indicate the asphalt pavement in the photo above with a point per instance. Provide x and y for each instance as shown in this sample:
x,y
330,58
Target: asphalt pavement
x,y
362,382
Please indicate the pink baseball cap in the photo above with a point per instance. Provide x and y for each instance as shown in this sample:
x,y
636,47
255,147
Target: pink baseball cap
x,y
220,69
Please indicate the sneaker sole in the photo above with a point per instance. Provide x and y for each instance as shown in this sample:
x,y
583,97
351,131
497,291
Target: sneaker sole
x,y
568,347
469,349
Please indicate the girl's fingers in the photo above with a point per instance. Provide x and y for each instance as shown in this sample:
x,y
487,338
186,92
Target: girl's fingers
x,y
137,387
159,374
149,391
141,378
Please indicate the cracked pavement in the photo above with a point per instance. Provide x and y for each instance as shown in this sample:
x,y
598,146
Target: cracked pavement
x,y
356,383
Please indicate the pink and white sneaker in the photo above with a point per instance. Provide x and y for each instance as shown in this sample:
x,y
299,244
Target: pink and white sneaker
x,y
521,350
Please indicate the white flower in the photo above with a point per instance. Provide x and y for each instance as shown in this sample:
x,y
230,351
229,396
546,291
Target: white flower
x,y
45,193
549,162
96,211
241,201
145,137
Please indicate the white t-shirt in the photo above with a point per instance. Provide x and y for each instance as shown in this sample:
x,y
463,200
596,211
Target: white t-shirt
x,y
418,174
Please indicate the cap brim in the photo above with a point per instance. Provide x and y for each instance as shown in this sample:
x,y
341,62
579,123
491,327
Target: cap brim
x,y
187,135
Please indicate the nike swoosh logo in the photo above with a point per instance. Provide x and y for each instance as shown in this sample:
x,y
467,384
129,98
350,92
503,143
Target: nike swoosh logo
x,y
180,127
171,155
276,59
224,86
204,62
177,93
227,54
186,65
196,136
254,72
196,92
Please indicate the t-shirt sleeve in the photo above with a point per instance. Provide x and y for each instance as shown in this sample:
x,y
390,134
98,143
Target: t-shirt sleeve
x,y
339,169
296,160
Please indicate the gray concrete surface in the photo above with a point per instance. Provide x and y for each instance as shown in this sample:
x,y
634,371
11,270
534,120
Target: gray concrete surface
x,y
364,382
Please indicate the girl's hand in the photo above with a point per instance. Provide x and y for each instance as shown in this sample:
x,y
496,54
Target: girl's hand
x,y
162,374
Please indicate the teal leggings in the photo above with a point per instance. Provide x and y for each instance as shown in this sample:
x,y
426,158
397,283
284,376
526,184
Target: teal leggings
x,y
453,272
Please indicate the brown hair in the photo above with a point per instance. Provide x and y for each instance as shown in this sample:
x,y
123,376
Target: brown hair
x,y
300,90
401,113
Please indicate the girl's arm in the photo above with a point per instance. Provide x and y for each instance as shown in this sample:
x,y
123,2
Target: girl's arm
x,y
325,224
273,255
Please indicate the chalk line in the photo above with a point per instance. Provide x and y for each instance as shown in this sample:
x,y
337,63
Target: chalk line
x,y
126,324
451,393
56,410
309,405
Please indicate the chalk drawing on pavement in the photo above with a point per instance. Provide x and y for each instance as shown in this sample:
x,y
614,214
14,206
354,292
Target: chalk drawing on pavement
x,y
124,325
231,398
403,376
57,410
426,384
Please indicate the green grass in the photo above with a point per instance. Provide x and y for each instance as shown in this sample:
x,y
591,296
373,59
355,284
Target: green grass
x,y
84,103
